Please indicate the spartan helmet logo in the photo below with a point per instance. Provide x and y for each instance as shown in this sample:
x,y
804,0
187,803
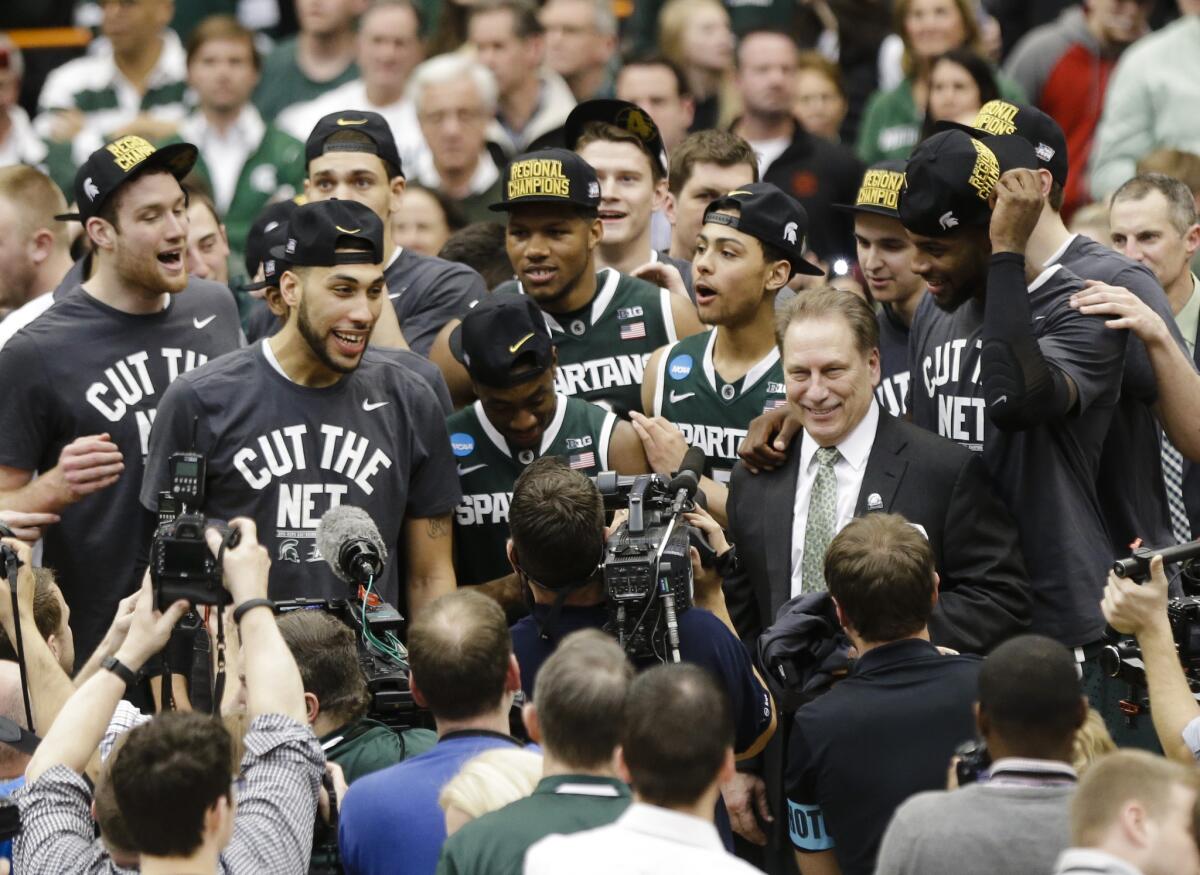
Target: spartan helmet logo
x,y
90,189
789,232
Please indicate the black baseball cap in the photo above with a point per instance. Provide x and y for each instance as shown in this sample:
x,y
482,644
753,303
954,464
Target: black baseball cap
x,y
316,231
108,167
371,125
769,214
496,333
268,231
950,178
1003,117
621,114
879,192
548,176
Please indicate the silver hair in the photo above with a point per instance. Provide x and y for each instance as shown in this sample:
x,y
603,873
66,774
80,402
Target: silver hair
x,y
448,68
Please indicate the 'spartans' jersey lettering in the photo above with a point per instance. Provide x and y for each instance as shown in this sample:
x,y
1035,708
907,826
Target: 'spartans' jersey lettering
x,y
714,415
488,467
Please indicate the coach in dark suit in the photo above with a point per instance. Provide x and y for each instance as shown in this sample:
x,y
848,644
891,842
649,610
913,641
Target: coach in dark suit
x,y
829,343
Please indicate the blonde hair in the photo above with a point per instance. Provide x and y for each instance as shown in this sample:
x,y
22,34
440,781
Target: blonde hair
x,y
1118,779
1092,742
492,780
673,20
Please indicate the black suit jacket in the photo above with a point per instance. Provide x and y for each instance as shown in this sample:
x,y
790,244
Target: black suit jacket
x,y
1191,478
984,597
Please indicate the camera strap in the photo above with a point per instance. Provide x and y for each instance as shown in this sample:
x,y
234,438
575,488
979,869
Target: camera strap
x,y
11,566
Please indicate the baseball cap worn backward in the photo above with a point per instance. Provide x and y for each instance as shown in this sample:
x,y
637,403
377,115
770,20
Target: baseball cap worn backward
x,y
264,233
879,192
107,169
950,179
618,113
770,215
1003,117
371,125
548,176
496,333
321,234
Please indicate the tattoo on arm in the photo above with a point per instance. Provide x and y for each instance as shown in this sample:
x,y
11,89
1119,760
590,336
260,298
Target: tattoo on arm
x,y
437,527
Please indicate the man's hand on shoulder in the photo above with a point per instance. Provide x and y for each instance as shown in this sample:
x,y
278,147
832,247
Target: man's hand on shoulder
x,y
768,438
1129,312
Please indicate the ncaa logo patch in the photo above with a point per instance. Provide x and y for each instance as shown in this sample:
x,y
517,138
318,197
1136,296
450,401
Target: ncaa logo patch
x,y
462,444
680,366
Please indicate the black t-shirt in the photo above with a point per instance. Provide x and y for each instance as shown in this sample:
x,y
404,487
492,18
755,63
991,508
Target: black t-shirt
x,y
1130,483
1046,475
892,391
428,292
83,368
284,454
883,734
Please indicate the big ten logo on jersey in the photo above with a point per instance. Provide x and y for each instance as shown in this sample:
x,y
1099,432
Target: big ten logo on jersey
x,y
602,373
578,443
483,509
718,443
129,382
892,393
951,376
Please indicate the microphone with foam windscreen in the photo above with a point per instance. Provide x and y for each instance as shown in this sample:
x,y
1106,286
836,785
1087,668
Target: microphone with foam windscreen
x,y
350,542
686,481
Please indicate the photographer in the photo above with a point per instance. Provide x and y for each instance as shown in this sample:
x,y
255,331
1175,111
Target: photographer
x,y
171,778
1141,611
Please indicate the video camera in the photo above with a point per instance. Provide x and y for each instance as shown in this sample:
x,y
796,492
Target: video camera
x,y
647,568
1122,657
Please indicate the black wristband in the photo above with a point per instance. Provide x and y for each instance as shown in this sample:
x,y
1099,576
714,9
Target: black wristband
x,y
120,669
251,604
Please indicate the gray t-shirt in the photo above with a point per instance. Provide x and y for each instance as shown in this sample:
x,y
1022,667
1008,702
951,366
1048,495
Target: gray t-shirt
x,y
283,454
1046,475
892,391
84,368
428,292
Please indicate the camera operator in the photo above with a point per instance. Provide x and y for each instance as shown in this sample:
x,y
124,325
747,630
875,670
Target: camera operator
x,y
1141,611
172,777
336,697
558,541
1014,820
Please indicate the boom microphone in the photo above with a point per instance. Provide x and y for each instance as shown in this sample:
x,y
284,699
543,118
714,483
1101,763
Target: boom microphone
x,y
350,542
687,478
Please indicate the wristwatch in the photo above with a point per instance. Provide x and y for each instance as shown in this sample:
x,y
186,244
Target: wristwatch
x,y
121,670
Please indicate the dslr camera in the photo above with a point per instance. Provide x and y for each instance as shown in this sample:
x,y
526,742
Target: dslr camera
x,y
181,565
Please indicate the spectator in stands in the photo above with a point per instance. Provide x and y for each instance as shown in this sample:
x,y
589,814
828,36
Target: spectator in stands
x,y
388,47
463,670
1133,814
576,717
659,87
207,240
960,83
1064,68
1184,166
488,783
245,161
816,172
581,40
317,59
532,100
706,166
844,780
455,101
133,83
34,248
819,97
695,36
1149,101
480,246
891,123
676,749
1014,820
425,220
19,143
336,697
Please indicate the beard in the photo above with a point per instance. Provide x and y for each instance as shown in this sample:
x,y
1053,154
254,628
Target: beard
x,y
318,344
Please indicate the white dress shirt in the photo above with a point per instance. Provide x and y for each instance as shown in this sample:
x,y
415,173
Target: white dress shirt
x,y
225,152
645,839
848,470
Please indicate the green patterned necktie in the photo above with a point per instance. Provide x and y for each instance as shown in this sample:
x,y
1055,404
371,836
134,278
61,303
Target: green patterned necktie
x,y
822,515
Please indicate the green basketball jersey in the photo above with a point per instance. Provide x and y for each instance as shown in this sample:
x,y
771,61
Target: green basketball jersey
x,y
602,350
712,414
488,468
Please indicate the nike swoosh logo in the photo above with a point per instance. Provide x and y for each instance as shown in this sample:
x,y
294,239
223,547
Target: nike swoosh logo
x,y
348,230
201,323
342,122
513,349
462,471
374,405
676,397
393,296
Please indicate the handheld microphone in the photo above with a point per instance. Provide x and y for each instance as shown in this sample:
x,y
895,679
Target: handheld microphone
x,y
687,478
350,542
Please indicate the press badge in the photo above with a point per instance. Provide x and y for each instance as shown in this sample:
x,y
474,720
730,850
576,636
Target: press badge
x,y
806,825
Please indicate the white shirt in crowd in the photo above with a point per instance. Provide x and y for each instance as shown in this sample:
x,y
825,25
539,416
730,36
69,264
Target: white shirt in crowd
x,y
225,153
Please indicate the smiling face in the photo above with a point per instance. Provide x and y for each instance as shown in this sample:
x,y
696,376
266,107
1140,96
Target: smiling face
x,y
354,176
885,255
550,248
732,278
954,267
830,381
149,237
521,413
1142,229
628,193
335,310
208,249
934,27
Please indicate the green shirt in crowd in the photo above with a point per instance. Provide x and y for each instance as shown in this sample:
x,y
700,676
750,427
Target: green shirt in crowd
x,y
284,83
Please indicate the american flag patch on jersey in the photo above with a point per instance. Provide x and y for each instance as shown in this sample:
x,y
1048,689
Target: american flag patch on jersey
x,y
773,404
633,330
582,460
